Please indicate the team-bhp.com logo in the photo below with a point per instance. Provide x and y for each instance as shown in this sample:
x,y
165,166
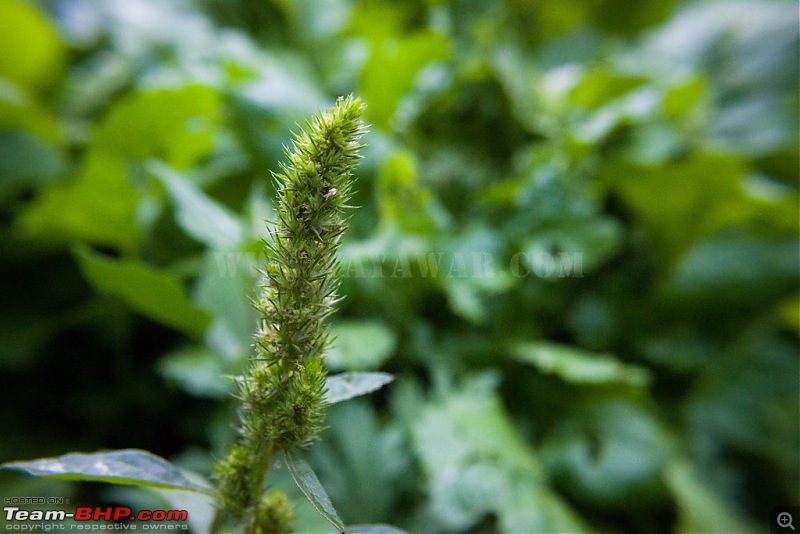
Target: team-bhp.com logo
x,y
154,518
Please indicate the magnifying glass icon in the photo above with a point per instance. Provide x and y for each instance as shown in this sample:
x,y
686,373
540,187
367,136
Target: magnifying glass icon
x,y
785,520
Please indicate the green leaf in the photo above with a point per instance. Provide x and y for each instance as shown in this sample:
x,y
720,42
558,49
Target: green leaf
x,y
582,245
736,270
197,371
31,53
478,464
392,69
749,403
403,200
176,125
225,282
363,462
316,19
128,466
259,208
360,345
348,385
704,194
746,115
307,481
600,86
789,313
464,299
155,294
608,453
99,205
374,529
680,99
197,214
699,508
20,111
27,160
580,367
471,271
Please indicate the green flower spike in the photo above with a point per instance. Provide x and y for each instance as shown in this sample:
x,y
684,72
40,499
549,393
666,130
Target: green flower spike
x,y
282,394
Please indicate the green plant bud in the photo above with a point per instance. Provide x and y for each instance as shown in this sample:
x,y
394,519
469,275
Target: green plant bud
x,y
275,514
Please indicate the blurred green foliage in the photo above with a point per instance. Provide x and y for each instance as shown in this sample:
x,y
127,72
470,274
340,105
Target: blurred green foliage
x,y
576,248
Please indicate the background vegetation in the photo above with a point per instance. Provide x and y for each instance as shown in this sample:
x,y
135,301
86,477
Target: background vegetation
x,y
637,162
